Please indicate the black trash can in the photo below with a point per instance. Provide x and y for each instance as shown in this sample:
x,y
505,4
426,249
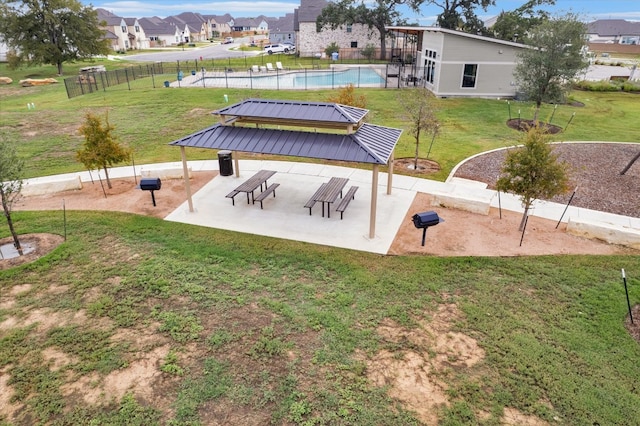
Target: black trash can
x,y
225,163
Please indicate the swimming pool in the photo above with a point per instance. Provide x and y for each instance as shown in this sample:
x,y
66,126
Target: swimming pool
x,y
295,80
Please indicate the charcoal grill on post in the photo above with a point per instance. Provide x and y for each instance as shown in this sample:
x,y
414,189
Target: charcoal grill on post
x,y
151,184
424,220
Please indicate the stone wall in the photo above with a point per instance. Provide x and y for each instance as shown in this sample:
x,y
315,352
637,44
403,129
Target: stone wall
x,y
311,42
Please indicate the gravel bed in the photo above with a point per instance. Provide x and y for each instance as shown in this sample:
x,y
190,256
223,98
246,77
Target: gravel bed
x,y
594,171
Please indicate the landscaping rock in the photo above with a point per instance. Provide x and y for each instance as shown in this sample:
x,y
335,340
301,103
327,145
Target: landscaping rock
x,y
37,82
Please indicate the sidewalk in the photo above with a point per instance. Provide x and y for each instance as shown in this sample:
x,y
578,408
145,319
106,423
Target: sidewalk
x,y
285,217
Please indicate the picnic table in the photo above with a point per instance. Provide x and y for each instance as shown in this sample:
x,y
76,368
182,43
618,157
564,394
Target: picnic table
x,y
250,185
327,194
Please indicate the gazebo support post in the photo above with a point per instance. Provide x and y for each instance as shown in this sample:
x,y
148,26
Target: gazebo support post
x,y
185,174
374,201
236,163
390,174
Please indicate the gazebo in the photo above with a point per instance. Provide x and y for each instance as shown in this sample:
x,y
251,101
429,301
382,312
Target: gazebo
x,y
253,126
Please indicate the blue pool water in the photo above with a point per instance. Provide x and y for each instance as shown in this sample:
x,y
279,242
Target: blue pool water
x,y
353,76
283,80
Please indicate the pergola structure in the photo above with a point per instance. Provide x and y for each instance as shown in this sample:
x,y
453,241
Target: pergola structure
x,y
253,126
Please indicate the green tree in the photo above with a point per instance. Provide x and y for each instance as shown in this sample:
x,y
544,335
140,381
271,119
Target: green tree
x,y
532,171
51,31
378,14
100,150
369,51
461,14
419,106
10,183
515,25
545,71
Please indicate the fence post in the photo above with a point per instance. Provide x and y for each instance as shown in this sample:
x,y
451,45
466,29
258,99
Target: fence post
x,y
126,76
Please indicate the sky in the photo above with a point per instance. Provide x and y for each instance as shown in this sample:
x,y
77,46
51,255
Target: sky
x,y
587,10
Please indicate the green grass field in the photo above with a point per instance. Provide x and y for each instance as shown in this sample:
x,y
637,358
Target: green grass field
x,y
203,326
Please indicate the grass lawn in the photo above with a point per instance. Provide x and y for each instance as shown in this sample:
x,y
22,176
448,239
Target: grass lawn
x,y
134,320
290,333
147,119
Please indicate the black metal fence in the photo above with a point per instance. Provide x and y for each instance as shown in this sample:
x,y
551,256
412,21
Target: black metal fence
x,y
271,76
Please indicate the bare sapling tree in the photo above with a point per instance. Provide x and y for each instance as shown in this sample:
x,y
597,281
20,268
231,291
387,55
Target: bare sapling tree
x,y
101,149
10,184
532,171
419,105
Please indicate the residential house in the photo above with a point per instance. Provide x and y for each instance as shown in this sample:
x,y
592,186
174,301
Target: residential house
x,y
187,33
219,25
614,31
160,32
310,41
198,25
250,26
457,64
139,39
117,26
281,29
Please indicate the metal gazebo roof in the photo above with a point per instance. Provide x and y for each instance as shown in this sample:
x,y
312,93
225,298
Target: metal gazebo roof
x,y
369,144
311,114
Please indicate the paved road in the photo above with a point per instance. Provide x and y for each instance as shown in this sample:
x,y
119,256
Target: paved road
x,y
215,51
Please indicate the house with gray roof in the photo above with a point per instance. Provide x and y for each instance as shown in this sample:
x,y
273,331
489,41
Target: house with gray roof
x,y
160,32
137,36
245,26
197,24
281,29
219,25
117,26
614,31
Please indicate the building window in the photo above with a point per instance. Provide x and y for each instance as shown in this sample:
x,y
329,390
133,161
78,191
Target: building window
x,y
137,28
469,75
629,40
354,44
124,28
429,71
349,28
153,38
126,44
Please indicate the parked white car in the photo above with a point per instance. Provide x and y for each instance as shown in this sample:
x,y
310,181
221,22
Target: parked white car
x,y
278,48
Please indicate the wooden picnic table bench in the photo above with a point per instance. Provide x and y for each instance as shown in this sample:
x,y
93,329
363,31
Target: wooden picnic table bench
x,y
327,193
344,203
264,194
250,185
312,201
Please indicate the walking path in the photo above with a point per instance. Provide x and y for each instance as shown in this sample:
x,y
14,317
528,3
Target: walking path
x,y
285,216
